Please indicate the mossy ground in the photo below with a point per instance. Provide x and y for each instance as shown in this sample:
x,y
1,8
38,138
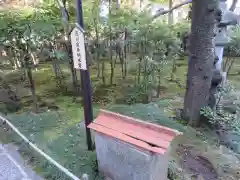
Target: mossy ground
x,y
59,134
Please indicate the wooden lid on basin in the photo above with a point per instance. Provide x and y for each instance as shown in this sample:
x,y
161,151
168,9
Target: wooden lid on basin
x,y
151,137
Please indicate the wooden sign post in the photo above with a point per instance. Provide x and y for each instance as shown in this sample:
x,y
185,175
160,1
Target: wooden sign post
x,y
80,62
78,49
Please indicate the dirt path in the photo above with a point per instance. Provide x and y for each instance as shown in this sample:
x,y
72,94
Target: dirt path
x,y
198,166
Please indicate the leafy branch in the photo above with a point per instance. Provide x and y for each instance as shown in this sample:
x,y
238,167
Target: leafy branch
x,y
159,13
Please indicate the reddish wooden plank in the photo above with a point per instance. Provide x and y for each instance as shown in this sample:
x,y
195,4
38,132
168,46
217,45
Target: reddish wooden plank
x,y
137,127
155,127
152,137
125,138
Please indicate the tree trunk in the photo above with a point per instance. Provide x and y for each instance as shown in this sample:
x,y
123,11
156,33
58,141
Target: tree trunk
x,y
111,61
65,22
15,64
201,60
13,60
103,75
125,53
34,60
230,66
233,6
226,62
174,68
112,72
18,63
170,14
98,69
97,47
145,80
111,46
159,85
33,90
76,88
122,65
118,4
139,71
141,2
58,73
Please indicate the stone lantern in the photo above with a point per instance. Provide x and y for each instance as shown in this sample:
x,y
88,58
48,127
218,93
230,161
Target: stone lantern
x,y
229,18
226,19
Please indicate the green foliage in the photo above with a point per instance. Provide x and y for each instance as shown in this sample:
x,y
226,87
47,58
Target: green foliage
x,y
128,40
28,32
222,118
141,46
233,48
161,1
182,27
3,108
218,116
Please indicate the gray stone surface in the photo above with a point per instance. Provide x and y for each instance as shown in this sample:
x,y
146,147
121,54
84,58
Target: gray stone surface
x,y
1,149
122,161
9,170
13,167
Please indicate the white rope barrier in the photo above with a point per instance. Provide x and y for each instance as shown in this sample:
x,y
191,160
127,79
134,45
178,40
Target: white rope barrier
x,y
63,169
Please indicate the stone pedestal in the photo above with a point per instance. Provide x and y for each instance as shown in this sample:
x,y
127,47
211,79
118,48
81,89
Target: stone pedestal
x,y
129,149
122,161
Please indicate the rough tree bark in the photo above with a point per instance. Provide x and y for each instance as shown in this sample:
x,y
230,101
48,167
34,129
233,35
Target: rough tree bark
x,y
29,65
201,59
233,5
65,21
170,14
33,90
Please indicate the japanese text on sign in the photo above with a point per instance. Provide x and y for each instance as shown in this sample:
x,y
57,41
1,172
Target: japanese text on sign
x,y
78,49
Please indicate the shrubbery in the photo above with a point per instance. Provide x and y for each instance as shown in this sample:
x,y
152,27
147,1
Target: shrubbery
x,y
233,49
144,49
